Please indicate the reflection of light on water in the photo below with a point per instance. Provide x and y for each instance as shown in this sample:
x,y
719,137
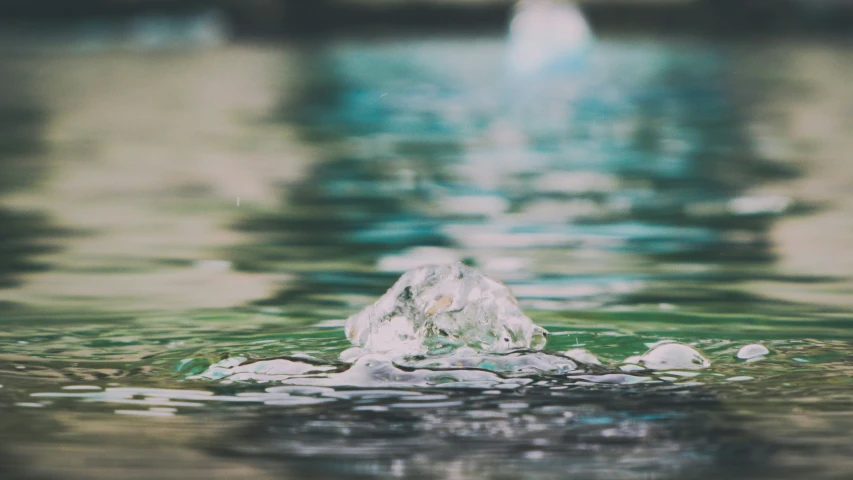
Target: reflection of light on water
x,y
570,291
749,205
385,380
574,170
546,34
758,205
473,205
576,182
416,257
143,249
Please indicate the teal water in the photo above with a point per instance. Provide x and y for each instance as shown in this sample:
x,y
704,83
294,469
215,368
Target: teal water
x,y
162,211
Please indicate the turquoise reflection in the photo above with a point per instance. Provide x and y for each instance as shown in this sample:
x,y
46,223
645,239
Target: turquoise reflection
x,y
641,156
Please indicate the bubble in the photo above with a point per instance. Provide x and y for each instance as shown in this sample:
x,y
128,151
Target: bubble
x,y
752,351
673,356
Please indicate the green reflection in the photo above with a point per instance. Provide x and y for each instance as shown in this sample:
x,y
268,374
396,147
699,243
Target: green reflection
x,y
23,234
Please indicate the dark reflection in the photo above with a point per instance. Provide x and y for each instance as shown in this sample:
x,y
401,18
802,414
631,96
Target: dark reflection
x,y
12,468
577,433
23,234
694,152
637,157
17,430
334,220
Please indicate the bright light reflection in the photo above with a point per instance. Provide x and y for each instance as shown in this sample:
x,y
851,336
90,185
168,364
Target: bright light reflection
x,y
544,34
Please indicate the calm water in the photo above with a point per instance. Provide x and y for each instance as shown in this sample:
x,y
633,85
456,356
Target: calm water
x,y
162,210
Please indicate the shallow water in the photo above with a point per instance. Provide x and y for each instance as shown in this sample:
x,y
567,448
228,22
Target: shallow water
x,y
165,210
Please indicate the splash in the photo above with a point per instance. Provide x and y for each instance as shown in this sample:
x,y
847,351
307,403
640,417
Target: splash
x,y
467,368
450,326
435,309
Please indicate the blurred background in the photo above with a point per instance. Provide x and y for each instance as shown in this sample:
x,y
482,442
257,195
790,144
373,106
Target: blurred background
x,y
231,153
180,179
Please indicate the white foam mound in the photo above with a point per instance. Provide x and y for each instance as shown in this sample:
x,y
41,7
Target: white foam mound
x,y
438,308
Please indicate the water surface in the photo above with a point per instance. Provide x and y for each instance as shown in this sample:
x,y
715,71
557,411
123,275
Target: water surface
x,y
163,210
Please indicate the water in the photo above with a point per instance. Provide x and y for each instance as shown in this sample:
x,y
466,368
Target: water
x,y
441,308
165,210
